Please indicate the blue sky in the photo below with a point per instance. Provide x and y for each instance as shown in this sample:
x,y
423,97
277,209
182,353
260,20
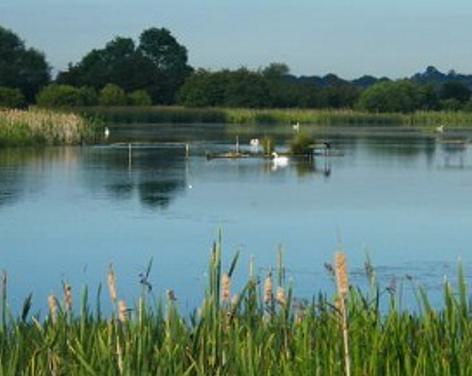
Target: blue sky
x,y
348,37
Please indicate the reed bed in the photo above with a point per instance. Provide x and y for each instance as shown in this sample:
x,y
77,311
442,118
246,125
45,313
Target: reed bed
x,y
261,329
43,127
176,114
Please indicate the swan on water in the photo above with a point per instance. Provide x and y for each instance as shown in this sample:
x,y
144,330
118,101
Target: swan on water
x,y
440,129
279,160
254,142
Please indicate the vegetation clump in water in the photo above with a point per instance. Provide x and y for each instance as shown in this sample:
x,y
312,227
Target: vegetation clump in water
x,y
302,144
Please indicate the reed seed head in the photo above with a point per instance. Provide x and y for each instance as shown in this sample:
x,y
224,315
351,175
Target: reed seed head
x,y
341,273
52,303
299,315
225,287
68,297
171,295
112,283
268,295
280,296
235,300
122,311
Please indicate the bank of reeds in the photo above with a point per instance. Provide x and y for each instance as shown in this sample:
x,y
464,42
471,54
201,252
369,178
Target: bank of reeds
x,y
259,329
43,127
175,114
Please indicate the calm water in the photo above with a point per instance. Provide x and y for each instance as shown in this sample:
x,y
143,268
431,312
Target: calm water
x,y
66,213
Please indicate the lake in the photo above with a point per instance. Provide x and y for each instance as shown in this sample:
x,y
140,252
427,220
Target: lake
x,y
403,198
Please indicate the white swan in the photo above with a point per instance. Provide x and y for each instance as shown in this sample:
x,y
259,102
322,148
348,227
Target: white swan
x,y
254,142
279,161
106,132
440,129
296,127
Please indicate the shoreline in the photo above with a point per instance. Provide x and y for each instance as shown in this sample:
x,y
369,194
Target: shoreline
x,y
269,117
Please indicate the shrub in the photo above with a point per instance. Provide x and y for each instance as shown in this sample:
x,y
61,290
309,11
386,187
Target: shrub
x,y
392,96
112,95
451,104
455,90
11,98
139,98
89,96
468,106
60,96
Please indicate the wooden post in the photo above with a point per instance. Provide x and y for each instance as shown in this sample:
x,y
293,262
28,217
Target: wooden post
x,y
130,155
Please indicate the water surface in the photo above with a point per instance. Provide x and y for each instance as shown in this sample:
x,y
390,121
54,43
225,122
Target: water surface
x,y
66,213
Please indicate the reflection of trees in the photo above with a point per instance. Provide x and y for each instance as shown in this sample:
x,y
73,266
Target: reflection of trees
x,y
18,167
318,165
410,147
154,175
158,193
454,151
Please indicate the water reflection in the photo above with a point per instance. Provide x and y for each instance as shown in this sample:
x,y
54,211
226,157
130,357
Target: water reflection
x,y
156,175
321,166
454,150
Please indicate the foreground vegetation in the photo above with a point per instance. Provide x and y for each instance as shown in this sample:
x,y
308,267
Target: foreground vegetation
x,y
41,127
261,330
176,114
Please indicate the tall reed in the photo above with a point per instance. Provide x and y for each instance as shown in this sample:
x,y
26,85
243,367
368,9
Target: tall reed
x,y
44,127
256,333
321,117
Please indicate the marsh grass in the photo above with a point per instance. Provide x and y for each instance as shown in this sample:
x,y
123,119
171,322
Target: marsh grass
x,y
176,114
44,127
253,333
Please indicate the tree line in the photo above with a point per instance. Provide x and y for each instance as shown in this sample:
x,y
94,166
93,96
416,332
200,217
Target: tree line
x,y
154,70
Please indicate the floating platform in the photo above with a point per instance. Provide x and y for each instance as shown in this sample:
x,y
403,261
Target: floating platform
x,y
230,155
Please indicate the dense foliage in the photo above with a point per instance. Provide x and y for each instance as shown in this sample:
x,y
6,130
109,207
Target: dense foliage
x,y
66,96
398,96
267,88
21,68
155,70
11,98
139,98
112,95
158,65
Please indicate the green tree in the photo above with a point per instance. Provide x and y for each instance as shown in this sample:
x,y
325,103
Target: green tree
x,y
169,60
112,95
11,98
338,96
246,89
455,90
118,63
89,96
60,96
204,89
139,98
451,104
391,96
21,68
158,65
276,71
